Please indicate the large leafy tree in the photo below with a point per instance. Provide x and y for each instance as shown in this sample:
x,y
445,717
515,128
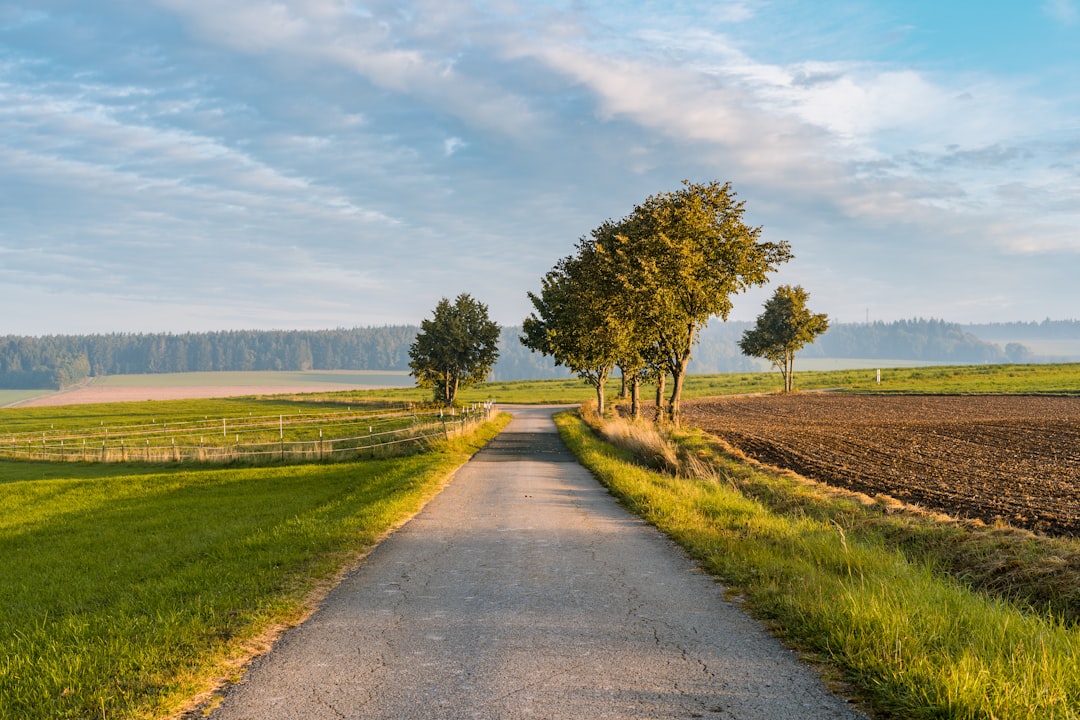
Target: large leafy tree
x,y
784,328
455,348
681,256
576,319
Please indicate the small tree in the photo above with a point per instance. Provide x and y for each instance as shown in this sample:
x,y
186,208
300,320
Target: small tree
x,y
456,348
784,328
575,320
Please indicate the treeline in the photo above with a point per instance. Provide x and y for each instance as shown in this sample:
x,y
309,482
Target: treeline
x,y
1045,330
928,340
57,361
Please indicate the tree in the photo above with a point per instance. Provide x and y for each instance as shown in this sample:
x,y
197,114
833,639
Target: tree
x,y
575,320
681,256
456,348
783,329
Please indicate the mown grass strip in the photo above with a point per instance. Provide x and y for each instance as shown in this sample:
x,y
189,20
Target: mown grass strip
x,y
124,596
910,641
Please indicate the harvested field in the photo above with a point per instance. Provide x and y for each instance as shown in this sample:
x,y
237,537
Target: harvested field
x,y
989,457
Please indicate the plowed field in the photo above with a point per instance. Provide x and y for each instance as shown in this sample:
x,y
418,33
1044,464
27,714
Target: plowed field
x,y
1013,458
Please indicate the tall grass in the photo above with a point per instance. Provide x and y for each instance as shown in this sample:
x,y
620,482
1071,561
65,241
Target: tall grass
x,y
908,640
123,596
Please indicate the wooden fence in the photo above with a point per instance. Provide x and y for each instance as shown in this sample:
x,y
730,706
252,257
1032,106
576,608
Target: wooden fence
x,y
300,438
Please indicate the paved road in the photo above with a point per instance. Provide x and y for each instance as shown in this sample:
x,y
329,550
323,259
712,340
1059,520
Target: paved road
x,y
524,591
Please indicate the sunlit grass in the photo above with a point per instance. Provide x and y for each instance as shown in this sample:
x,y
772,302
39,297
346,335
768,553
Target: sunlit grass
x,y
912,641
123,596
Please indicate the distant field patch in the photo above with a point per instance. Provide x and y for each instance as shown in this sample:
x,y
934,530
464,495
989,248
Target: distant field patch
x,y
262,378
182,386
7,397
1061,347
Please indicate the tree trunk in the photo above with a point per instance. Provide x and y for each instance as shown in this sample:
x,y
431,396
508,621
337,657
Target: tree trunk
x,y
661,383
635,396
600,381
678,376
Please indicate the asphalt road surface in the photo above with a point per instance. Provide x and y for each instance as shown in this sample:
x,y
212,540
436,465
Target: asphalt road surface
x,y
524,591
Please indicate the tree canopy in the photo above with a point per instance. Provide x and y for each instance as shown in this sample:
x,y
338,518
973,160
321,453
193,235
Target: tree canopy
x,y
576,318
644,286
455,348
785,327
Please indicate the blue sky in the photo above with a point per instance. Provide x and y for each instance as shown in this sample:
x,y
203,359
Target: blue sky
x,y
190,165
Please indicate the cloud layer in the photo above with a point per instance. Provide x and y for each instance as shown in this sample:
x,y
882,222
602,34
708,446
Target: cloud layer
x,y
186,164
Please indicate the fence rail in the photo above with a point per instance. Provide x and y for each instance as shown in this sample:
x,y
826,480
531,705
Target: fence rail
x,y
340,436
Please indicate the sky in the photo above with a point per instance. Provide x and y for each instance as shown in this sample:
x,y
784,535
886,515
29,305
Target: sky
x,y
198,165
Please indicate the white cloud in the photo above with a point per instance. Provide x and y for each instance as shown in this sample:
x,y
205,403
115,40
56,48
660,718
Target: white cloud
x,y
317,33
452,145
263,127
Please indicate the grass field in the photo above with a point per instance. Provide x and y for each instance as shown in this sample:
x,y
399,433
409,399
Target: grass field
x,y
397,386
1056,379
128,591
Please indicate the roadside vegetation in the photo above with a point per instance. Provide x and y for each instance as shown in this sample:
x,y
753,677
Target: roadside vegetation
x,y
129,590
914,615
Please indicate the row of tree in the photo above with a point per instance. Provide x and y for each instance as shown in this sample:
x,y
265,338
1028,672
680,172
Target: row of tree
x,y
916,339
638,291
62,360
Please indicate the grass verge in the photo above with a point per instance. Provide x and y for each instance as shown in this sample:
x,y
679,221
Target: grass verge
x,y
124,596
909,640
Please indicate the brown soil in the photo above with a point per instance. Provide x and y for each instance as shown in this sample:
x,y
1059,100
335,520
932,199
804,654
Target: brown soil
x,y
1009,458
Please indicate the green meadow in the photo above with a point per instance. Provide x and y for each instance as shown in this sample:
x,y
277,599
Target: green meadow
x,y
129,590
957,379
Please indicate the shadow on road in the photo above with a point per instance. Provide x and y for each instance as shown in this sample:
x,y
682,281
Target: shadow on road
x,y
516,446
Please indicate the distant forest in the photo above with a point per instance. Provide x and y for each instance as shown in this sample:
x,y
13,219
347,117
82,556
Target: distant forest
x,y
57,361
